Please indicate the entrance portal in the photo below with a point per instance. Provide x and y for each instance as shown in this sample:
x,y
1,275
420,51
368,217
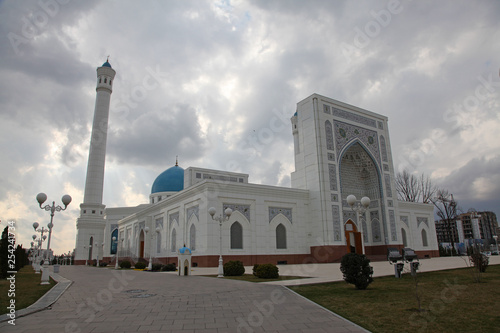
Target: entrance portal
x,y
353,238
141,244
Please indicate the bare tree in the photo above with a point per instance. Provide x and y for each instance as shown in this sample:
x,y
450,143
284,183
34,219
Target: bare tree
x,y
447,210
407,186
427,189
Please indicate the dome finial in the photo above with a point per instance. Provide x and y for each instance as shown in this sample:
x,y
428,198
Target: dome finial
x,y
176,160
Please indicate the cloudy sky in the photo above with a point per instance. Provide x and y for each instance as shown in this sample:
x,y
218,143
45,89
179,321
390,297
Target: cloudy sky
x,y
204,80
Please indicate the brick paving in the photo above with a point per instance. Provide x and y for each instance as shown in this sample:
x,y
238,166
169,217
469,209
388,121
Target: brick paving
x,y
107,300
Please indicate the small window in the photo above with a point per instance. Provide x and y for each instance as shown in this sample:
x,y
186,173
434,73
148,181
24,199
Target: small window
x,y
84,211
424,238
100,80
105,80
93,211
198,175
236,236
109,81
280,236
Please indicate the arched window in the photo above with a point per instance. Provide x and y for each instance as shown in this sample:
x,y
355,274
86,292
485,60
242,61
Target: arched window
x,y
90,247
424,238
280,236
403,234
114,243
105,80
236,236
173,244
192,237
158,242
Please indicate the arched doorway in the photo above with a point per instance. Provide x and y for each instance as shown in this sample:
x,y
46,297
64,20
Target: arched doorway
x,y
90,247
141,244
353,239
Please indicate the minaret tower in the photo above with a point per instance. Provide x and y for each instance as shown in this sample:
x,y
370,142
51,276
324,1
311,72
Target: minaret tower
x,y
91,223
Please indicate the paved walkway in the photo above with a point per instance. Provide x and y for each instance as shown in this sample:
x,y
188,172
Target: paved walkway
x,y
89,299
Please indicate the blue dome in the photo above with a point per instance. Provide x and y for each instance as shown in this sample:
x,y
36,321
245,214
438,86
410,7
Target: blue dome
x,y
106,64
170,180
182,250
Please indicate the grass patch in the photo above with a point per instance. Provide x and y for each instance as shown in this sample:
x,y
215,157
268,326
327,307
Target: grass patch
x,y
253,278
451,302
28,289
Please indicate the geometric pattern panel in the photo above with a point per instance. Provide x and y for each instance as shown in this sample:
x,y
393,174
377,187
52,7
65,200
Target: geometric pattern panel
x,y
376,236
345,133
383,148
392,221
159,223
404,219
350,215
421,220
329,135
273,211
243,209
193,210
336,222
326,109
388,185
333,177
171,218
353,117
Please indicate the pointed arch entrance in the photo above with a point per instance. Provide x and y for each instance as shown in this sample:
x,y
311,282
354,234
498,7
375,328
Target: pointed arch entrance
x,y
141,244
353,238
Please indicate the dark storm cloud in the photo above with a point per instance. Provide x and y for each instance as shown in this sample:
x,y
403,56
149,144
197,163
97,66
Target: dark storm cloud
x,y
158,136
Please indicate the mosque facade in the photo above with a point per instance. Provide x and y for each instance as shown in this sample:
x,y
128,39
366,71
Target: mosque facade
x,y
340,151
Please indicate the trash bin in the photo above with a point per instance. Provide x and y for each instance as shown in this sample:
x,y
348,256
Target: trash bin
x,y
56,268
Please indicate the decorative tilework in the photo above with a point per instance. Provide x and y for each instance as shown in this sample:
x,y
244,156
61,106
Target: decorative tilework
x,y
386,167
383,148
332,170
329,135
353,117
392,221
346,133
388,189
422,219
336,222
404,219
159,222
243,209
326,108
193,210
113,227
142,225
273,211
331,156
335,197
389,203
376,236
171,218
349,214
380,125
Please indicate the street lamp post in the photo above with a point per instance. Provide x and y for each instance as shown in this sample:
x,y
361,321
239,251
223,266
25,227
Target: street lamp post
x,y
97,254
41,198
146,230
220,219
495,237
86,254
359,209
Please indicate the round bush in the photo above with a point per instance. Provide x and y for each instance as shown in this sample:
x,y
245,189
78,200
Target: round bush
x,y
168,268
156,267
267,271
140,265
234,268
125,264
254,269
357,270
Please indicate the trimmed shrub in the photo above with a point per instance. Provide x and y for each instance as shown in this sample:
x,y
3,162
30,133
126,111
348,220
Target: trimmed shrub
x,y
103,264
125,264
140,265
267,271
254,269
234,268
156,267
357,270
168,268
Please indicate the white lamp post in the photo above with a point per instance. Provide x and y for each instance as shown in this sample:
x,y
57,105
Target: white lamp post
x,y
359,209
116,254
97,254
220,219
41,198
495,237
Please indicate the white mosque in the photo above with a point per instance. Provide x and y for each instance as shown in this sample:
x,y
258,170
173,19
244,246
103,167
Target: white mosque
x,y
341,152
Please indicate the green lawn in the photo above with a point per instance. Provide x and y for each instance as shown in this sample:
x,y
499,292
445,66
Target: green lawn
x,y
450,302
27,289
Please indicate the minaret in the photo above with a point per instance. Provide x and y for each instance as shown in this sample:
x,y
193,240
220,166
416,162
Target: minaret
x,y
90,226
